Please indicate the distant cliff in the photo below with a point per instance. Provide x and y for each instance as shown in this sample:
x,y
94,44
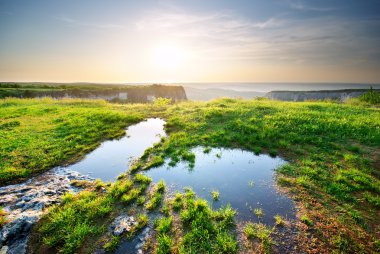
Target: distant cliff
x,y
315,95
113,93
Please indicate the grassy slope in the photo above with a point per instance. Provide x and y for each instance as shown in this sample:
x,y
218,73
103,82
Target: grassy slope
x,y
36,135
333,150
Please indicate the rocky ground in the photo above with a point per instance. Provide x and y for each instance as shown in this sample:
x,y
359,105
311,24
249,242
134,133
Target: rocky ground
x,y
25,203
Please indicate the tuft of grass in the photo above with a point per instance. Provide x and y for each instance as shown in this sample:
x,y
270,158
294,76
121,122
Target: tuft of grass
x,y
372,97
140,200
164,244
121,176
142,220
143,179
207,150
153,202
99,184
279,221
156,196
200,223
161,186
215,195
306,220
119,188
273,153
112,244
68,225
165,210
258,212
261,232
81,183
163,225
3,218
131,196
177,203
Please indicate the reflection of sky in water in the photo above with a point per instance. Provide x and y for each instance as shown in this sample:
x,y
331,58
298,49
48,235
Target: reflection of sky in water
x,y
231,176
113,157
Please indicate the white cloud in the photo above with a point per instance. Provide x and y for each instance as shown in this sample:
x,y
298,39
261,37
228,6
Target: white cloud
x,y
225,35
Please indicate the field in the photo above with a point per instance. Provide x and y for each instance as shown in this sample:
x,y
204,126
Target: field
x,y
333,174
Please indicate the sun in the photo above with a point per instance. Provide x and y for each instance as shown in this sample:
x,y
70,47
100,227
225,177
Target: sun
x,y
168,57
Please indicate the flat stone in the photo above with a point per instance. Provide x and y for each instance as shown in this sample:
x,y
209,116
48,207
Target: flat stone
x,y
122,224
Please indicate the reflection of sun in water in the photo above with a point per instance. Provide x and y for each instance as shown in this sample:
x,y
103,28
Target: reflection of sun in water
x,y
168,57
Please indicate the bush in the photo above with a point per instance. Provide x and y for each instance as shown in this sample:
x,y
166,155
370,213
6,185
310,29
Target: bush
x,y
372,97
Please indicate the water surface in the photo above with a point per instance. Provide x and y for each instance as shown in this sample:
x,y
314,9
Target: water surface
x,y
113,157
244,180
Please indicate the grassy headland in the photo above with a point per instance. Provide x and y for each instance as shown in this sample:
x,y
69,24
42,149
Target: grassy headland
x,y
333,150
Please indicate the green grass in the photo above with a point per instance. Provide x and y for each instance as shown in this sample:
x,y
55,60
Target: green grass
x,y
112,244
332,149
156,196
307,220
142,220
258,212
279,221
36,135
140,178
261,232
177,202
372,97
68,225
163,225
215,195
3,218
164,244
200,222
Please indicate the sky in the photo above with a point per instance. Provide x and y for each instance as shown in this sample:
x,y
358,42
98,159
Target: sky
x,y
118,41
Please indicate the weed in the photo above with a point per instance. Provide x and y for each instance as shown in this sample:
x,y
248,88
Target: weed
x,y
112,245
207,150
261,232
258,212
140,178
215,195
177,203
161,186
120,187
131,196
279,221
3,218
140,200
165,209
163,224
164,244
307,220
99,184
142,220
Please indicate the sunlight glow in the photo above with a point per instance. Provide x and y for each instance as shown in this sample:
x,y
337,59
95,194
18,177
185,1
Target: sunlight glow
x,y
168,57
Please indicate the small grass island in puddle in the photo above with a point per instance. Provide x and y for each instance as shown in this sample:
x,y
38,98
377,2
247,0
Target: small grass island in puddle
x,y
226,176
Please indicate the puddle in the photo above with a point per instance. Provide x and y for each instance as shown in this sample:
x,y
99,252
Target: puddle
x,y
113,157
243,179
